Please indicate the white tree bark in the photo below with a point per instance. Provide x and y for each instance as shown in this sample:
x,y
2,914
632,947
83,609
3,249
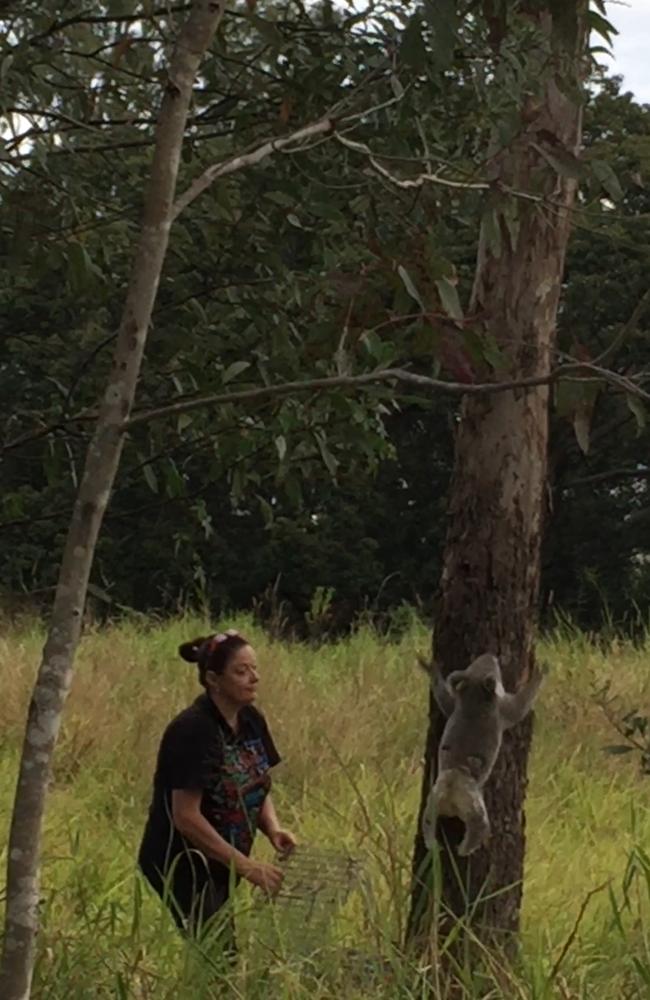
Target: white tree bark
x,y
102,460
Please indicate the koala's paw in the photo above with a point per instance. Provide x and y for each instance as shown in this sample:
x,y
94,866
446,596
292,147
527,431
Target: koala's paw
x,y
467,847
477,834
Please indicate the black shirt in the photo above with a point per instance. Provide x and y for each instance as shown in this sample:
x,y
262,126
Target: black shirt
x,y
199,751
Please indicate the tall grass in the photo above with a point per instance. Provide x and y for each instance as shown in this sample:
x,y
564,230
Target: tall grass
x,y
349,721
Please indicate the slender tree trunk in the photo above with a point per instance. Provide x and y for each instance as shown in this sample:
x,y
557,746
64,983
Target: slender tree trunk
x,y
490,580
102,459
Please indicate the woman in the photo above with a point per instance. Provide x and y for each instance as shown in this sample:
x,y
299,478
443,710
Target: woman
x,y
211,789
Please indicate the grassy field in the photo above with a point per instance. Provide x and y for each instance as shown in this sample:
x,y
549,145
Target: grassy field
x,y
349,721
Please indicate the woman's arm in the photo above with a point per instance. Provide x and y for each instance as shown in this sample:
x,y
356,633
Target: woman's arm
x,y
192,824
282,840
268,822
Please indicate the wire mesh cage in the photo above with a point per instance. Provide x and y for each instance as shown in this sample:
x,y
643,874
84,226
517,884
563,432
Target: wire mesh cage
x,y
317,877
302,918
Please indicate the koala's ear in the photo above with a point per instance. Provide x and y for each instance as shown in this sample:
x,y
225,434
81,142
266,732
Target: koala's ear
x,y
457,680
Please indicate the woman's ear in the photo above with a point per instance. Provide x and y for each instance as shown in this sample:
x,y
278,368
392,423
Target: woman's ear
x,y
211,679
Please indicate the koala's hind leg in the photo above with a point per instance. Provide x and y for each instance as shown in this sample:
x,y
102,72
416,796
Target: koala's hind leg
x,y
477,826
441,802
456,793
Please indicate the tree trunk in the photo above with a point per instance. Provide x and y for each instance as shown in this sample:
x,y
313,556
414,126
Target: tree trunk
x,y
490,579
102,459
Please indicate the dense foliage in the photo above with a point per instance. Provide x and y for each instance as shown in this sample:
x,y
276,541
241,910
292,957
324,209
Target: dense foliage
x,y
313,507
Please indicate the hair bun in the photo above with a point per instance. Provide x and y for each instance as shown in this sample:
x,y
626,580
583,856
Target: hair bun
x,y
189,651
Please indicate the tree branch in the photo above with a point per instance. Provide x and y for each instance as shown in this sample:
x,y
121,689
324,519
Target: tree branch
x,y
408,183
578,371
46,430
326,126
605,477
627,331
249,159
581,371
108,19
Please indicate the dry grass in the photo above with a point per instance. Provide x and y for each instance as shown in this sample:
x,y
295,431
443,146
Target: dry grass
x,y
349,721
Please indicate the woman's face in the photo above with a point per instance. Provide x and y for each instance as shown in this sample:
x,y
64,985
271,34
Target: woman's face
x,y
239,680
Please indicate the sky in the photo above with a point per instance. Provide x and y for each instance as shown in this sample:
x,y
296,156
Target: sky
x,y
631,47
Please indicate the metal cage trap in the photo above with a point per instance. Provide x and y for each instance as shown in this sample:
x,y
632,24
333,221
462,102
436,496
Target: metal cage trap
x,y
316,886
317,877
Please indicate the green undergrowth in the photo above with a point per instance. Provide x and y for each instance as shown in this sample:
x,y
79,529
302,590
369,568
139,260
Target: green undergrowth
x,y
349,720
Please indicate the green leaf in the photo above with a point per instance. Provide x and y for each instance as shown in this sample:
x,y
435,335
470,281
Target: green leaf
x,y
636,406
150,478
183,421
5,66
410,286
372,343
280,198
492,231
324,210
608,179
235,369
195,306
564,162
330,461
449,298
596,22
267,511
237,482
281,446
581,427
567,395
396,86
618,749
173,479
493,353
81,269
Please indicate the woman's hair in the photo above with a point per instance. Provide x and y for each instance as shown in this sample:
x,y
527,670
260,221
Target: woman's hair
x,y
212,652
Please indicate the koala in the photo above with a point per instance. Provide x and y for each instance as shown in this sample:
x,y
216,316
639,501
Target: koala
x,y
478,710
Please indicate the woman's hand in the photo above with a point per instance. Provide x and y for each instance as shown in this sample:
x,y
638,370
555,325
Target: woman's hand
x,y
267,877
283,841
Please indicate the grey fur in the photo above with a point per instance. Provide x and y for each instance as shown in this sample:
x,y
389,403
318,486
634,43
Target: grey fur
x,y
478,710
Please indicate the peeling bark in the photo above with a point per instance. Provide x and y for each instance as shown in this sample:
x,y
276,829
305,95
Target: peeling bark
x,y
102,459
490,580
